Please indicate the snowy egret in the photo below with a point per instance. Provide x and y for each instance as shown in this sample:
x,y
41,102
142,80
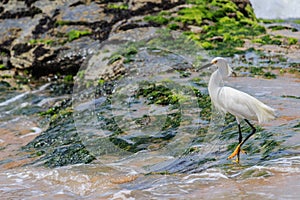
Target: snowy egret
x,y
238,103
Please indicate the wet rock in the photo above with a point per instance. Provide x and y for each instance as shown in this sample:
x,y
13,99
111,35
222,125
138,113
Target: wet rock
x,y
137,70
4,85
59,146
102,125
68,155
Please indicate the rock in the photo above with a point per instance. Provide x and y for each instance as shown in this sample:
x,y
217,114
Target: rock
x,y
112,71
17,9
243,7
84,14
132,89
56,147
44,37
100,126
136,5
32,55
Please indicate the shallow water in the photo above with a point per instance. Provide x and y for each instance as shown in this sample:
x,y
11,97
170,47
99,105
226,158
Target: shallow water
x,y
278,179
269,171
126,177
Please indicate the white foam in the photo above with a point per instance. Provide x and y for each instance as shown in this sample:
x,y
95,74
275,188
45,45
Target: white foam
x,y
205,176
20,96
122,195
13,99
36,131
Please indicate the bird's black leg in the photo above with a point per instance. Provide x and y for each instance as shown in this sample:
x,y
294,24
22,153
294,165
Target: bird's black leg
x,y
253,131
240,140
237,150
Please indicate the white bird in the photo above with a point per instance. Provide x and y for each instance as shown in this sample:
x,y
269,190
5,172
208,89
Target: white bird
x,y
238,103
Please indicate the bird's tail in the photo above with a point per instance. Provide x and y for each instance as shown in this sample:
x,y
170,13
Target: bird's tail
x,y
265,113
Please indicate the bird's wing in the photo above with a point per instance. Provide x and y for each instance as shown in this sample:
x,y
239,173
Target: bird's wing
x,y
245,106
239,104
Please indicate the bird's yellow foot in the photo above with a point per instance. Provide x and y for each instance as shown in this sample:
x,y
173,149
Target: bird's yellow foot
x,y
235,152
243,151
237,160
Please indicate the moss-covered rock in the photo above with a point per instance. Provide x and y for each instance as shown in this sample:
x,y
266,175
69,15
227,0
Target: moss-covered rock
x,y
225,24
59,146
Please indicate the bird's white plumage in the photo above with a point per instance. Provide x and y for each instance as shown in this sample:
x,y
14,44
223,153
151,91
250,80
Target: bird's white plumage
x,y
238,103
244,106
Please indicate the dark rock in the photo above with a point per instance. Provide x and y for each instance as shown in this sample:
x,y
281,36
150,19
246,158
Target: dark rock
x,y
60,144
4,85
45,24
19,14
29,2
68,155
21,48
24,56
242,5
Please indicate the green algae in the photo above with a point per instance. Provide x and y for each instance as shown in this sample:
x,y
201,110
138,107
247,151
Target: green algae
x,y
228,27
157,19
290,96
126,51
63,23
280,27
57,147
157,94
267,39
3,67
259,71
292,41
274,40
269,75
58,112
173,26
256,70
49,42
192,15
4,85
225,34
68,78
117,6
75,34
271,21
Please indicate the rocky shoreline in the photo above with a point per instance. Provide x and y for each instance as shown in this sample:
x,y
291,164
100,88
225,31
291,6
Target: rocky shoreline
x,y
148,51
46,38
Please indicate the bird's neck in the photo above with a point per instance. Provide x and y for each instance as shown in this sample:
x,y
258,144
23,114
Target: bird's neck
x,y
215,82
214,87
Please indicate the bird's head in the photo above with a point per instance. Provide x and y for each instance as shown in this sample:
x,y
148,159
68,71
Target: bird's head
x,y
222,65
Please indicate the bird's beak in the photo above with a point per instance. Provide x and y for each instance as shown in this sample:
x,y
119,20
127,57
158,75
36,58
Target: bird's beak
x,y
206,66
